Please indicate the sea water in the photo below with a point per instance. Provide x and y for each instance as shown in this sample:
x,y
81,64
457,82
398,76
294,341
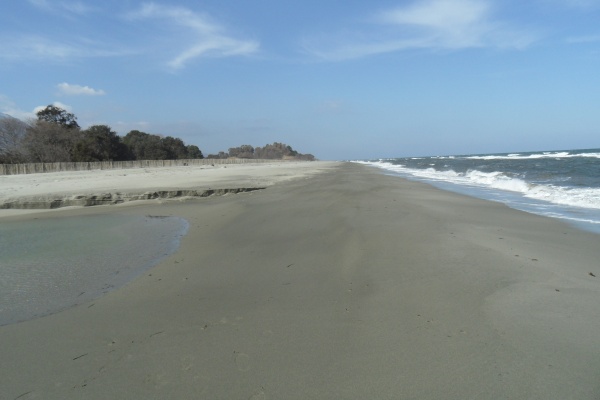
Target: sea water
x,y
47,265
560,184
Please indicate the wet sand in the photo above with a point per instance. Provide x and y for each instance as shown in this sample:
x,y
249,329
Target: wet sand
x,y
343,284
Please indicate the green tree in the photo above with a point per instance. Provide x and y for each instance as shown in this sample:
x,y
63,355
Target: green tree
x,y
194,152
244,151
99,143
275,151
134,141
58,116
175,148
144,146
53,136
220,155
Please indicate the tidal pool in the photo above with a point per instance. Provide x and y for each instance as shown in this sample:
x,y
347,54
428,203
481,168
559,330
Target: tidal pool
x,y
48,265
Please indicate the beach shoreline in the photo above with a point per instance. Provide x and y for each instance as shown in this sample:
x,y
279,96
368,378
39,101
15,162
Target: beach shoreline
x,y
345,283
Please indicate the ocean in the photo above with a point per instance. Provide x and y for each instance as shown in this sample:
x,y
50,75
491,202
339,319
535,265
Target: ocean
x,y
48,265
558,184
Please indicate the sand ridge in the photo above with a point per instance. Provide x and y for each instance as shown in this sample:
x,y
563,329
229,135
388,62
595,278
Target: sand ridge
x,y
98,187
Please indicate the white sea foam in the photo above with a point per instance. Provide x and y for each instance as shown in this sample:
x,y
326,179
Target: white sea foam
x,y
571,218
547,154
576,197
586,198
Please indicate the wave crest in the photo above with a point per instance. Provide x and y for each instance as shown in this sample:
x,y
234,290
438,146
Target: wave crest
x,y
566,196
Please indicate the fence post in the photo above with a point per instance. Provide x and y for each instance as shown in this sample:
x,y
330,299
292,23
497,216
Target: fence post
x,y
32,168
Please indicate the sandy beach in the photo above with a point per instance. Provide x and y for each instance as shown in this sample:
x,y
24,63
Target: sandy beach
x,y
336,281
22,192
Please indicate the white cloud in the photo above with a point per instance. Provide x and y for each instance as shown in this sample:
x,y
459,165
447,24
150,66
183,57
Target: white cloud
x,y
44,4
77,7
35,47
7,106
38,48
74,7
431,25
444,15
77,90
56,47
207,39
56,104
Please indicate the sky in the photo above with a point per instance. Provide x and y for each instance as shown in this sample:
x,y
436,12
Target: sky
x,y
341,79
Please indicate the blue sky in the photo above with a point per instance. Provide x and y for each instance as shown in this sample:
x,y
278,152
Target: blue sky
x,y
339,79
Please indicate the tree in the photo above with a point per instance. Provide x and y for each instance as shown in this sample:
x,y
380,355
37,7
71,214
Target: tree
x,y
53,136
291,152
244,151
50,142
272,151
194,152
134,141
12,132
99,143
220,155
144,146
56,137
275,151
175,148
58,116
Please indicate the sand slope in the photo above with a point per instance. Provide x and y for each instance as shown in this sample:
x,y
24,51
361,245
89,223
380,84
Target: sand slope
x,y
96,187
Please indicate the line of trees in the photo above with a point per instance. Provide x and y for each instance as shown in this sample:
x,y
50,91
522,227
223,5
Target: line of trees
x,y
275,151
56,137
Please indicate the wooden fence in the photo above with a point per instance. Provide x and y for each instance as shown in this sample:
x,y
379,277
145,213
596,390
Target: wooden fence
x,y
37,168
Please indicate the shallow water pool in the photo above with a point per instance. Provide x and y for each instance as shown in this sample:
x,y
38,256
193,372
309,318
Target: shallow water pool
x,y
48,265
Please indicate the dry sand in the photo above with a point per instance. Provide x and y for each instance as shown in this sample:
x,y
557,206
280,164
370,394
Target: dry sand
x,y
347,284
59,186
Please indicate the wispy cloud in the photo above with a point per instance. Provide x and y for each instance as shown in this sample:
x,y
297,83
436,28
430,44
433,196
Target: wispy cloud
x,y
78,90
39,48
36,48
56,104
204,38
77,7
452,24
186,35
74,7
426,24
7,106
